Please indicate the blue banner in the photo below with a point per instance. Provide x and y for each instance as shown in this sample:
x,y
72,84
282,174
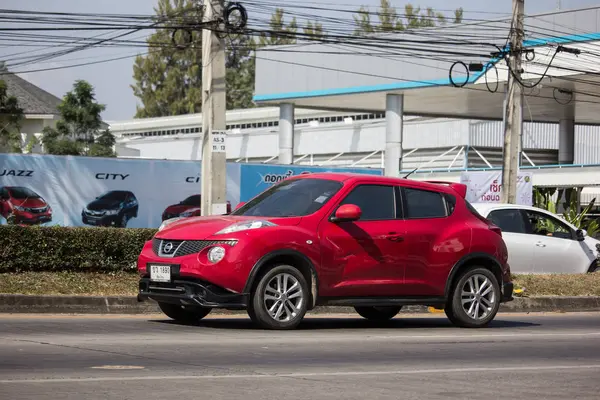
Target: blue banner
x,y
256,178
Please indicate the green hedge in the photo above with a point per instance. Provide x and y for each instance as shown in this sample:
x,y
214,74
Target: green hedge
x,y
70,249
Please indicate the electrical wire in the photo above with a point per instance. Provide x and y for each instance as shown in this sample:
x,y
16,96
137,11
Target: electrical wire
x,y
422,44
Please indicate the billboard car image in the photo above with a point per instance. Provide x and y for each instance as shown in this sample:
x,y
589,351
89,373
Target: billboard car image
x,y
21,205
190,207
113,208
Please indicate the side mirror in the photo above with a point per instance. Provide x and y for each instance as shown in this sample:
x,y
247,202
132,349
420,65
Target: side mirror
x,y
581,234
347,213
241,203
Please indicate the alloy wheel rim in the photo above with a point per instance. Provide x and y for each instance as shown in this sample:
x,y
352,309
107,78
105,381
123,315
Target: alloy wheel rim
x,y
478,297
283,297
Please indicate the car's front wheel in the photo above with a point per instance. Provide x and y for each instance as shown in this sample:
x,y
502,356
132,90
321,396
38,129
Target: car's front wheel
x,y
378,313
475,298
280,298
188,315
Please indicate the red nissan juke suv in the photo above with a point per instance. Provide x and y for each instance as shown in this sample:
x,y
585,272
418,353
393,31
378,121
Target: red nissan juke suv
x,y
371,242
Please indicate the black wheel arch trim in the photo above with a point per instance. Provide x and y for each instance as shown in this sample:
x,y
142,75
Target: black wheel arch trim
x,y
264,260
466,260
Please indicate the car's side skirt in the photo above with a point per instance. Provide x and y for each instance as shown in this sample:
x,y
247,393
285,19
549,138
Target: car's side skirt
x,y
381,301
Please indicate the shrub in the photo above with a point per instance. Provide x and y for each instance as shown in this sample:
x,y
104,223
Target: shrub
x,y
43,249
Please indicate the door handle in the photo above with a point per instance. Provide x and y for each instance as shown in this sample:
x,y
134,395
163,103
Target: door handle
x,y
539,244
394,238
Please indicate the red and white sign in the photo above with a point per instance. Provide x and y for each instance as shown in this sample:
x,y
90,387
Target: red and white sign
x,y
486,187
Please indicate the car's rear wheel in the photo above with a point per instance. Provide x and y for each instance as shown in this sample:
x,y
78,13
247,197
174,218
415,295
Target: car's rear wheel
x,y
475,298
280,298
378,313
188,315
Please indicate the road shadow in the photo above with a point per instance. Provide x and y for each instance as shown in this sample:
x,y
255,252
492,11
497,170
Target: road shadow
x,y
321,323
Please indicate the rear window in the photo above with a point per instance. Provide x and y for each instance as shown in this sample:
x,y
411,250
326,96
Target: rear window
x,y
510,220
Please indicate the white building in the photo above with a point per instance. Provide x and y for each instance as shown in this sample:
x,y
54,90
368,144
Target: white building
x,y
439,147
351,139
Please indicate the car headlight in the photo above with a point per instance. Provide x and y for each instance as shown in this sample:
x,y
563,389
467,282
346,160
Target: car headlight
x,y
186,214
243,226
216,254
19,208
167,222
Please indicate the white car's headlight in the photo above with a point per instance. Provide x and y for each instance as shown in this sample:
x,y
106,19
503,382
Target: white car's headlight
x,y
216,254
167,222
244,226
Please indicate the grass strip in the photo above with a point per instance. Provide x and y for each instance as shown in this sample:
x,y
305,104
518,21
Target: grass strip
x,y
125,283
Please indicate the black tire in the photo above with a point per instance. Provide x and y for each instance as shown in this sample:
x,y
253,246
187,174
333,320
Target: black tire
x,y
455,311
258,304
189,315
594,267
450,314
378,313
123,221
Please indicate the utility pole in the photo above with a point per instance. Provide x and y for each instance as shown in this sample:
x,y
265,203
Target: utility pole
x,y
214,156
513,117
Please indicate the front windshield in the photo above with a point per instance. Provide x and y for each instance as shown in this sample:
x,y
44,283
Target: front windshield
x,y
114,196
22,193
192,200
291,198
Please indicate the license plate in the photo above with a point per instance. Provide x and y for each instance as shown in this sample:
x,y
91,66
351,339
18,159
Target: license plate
x,y
160,273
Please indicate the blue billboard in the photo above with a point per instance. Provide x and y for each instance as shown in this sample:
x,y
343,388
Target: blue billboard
x,y
256,178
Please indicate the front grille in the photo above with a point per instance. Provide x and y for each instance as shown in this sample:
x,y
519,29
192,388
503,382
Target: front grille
x,y
177,248
94,213
37,210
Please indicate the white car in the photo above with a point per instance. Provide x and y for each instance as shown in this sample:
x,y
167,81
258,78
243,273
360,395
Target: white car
x,y
540,242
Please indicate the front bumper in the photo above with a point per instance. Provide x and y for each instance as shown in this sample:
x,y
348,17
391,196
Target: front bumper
x,y
33,218
190,292
507,292
105,220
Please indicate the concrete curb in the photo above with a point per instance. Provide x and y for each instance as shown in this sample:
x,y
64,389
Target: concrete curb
x,y
17,303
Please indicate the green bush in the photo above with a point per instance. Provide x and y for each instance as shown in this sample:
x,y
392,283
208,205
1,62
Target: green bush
x,y
43,249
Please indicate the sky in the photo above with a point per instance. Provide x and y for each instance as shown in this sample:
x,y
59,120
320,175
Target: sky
x,y
112,80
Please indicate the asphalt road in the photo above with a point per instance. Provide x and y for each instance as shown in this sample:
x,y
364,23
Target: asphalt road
x,y
543,356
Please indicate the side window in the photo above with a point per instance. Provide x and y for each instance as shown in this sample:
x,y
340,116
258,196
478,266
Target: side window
x,y
377,202
545,225
424,204
509,220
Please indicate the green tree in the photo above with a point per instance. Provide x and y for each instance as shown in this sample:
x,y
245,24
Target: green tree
x,y
79,130
389,20
279,33
314,31
168,80
10,121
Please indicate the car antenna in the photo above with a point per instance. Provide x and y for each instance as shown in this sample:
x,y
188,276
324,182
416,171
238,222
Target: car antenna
x,y
410,173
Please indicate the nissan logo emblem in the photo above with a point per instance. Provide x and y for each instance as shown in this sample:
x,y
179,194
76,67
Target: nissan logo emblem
x,y
168,247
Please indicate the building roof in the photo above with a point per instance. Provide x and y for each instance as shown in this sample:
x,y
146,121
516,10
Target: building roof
x,y
32,99
358,73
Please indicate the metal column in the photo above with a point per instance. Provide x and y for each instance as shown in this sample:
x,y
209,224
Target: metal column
x,y
393,134
286,133
566,141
